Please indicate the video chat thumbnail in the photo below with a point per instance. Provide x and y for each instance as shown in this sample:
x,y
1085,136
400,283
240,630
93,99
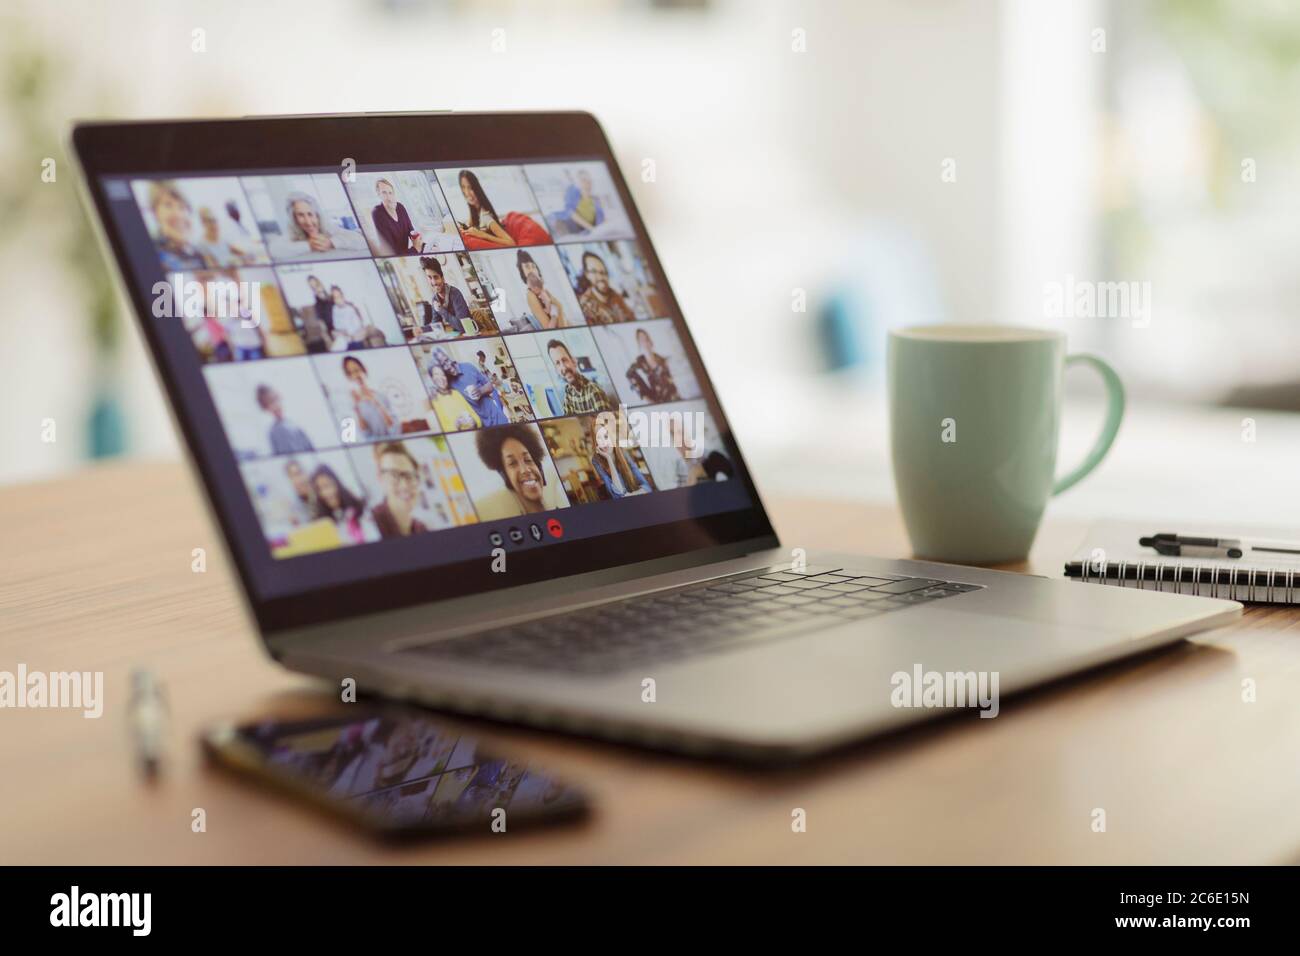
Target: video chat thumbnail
x,y
508,471
592,463
472,384
375,394
200,223
494,207
340,306
231,315
403,213
437,297
562,373
412,486
612,281
305,217
648,362
681,444
274,407
579,201
528,289
307,502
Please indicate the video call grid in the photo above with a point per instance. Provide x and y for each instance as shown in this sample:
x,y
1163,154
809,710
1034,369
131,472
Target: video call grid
x,y
277,265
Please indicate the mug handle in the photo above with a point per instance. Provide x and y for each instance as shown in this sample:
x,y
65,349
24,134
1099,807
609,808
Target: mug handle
x,y
1114,414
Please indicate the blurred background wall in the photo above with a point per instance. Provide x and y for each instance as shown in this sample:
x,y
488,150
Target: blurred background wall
x,y
888,161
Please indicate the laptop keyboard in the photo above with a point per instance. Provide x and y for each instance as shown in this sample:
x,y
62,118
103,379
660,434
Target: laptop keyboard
x,y
701,618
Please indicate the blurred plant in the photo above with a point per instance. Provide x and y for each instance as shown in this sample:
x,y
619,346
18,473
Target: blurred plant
x,y
53,213
1243,60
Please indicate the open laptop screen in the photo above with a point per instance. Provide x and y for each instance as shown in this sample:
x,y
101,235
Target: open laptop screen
x,y
413,365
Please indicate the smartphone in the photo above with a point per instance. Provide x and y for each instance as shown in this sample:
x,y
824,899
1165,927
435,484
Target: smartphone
x,y
396,772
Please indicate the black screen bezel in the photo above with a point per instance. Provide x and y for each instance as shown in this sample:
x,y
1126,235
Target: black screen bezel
x,y
180,146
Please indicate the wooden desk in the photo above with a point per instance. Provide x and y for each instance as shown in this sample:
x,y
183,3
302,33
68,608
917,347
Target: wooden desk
x,y
95,575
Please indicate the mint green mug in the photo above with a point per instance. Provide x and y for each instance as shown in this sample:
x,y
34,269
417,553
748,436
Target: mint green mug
x,y
974,414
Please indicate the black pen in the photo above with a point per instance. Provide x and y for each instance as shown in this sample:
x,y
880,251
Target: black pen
x,y
1184,546
1175,545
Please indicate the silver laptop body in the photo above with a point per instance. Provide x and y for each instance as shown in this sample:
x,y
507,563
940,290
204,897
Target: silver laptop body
x,y
767,694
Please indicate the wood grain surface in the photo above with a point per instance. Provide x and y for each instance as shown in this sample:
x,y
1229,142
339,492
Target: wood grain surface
x,y
95,575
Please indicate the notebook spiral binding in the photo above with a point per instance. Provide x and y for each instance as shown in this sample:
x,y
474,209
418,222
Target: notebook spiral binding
x,y
1241,584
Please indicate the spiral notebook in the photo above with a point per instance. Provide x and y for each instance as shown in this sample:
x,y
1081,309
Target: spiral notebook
x,y
1111,555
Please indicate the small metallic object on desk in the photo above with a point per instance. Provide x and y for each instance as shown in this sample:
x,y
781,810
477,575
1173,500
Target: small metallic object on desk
x,y
147,713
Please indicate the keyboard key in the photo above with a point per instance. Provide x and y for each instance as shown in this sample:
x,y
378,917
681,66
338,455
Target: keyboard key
x,y
776,590
846,588
906,585
830,578
807,571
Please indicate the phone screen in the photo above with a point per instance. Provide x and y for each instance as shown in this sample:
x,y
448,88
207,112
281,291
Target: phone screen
x,y
397,771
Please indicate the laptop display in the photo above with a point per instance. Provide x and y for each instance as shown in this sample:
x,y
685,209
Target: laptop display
x,y
420,364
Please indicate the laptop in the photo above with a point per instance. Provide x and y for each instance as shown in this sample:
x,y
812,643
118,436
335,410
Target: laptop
x,y
463,451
